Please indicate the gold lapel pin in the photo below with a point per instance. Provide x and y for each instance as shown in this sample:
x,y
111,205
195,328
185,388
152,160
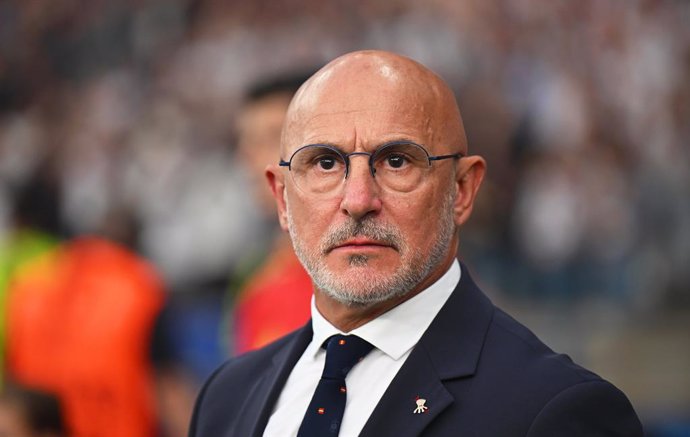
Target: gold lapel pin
x,y
421,408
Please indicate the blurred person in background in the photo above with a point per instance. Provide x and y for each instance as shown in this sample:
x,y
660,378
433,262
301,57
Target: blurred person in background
x,y
79,324
78,316
225,296
273,298
27,412
35,230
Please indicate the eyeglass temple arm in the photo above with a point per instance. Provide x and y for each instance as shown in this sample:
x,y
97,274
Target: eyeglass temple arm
x,y
439,157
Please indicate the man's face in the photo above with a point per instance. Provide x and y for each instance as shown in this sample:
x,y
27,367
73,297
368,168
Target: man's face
x,y
259,126
366,244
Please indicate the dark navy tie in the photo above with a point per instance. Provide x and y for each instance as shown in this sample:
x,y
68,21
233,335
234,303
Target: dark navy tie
x,y
325,411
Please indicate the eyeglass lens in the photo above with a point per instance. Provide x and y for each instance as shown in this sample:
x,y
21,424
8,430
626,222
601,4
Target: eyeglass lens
x,y
321,169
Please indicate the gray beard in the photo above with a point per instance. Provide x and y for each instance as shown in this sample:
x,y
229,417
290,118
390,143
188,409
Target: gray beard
x,y
365,290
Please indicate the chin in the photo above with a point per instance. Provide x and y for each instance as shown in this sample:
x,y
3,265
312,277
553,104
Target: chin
x,y
364,286
362,298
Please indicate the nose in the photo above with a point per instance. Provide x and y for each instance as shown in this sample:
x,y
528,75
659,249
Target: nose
x,y
361,193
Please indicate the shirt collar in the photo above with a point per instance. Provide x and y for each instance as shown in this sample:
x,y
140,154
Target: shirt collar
x,y
409,320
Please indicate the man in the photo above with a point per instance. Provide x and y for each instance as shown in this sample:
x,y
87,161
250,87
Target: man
x,y
373,185
271,289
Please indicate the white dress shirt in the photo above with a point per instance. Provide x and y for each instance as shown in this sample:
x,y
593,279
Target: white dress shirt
x,y
393,335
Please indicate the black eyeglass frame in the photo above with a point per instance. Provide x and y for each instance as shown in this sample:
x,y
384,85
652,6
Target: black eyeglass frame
x,y
372,155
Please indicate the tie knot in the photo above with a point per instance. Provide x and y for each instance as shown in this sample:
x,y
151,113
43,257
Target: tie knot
x,y
342,353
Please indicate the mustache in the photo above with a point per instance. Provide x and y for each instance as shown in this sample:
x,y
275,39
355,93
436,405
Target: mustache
x,y
368,228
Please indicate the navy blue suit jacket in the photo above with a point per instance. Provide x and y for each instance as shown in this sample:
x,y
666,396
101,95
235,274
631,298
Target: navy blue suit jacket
x,y
481,373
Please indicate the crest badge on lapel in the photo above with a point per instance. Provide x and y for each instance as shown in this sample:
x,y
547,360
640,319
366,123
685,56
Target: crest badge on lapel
x,y
421,408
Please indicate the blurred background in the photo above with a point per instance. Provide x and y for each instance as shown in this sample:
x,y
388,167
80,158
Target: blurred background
x,y
137,248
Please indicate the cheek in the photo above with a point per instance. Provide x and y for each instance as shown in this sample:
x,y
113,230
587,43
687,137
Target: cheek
x,y
412,217
417,217
311,219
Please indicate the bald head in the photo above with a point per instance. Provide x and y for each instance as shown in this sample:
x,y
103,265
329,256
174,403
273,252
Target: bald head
x,y
394,90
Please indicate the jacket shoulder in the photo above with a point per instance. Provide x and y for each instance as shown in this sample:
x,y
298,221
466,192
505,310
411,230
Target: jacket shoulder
x,y
236,381
534,358
554,394
245,367
592,408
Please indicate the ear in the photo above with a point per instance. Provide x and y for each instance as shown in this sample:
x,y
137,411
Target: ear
x,y
469,175
276,181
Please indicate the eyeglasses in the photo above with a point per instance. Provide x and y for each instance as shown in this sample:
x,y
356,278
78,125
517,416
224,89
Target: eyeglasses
x,y
398,166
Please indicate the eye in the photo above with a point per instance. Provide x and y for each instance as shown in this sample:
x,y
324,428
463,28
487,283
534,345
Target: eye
x,y
399,159
325,162
396,160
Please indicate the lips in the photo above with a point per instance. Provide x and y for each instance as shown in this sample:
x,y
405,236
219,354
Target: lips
x,y
363,243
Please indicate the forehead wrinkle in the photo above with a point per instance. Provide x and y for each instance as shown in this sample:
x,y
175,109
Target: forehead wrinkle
x,y
418,130
411,124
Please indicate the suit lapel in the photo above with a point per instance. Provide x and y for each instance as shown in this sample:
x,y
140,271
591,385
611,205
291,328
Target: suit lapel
x,y
449,349
259,405
394,415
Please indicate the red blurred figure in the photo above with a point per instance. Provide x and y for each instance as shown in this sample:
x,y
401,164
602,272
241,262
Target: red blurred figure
x,y
274,300
79,325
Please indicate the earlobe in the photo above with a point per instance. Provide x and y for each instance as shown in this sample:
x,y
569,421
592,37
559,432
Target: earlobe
x,y
469,177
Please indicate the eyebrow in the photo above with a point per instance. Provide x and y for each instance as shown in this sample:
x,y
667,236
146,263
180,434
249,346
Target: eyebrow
x,y
322,143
